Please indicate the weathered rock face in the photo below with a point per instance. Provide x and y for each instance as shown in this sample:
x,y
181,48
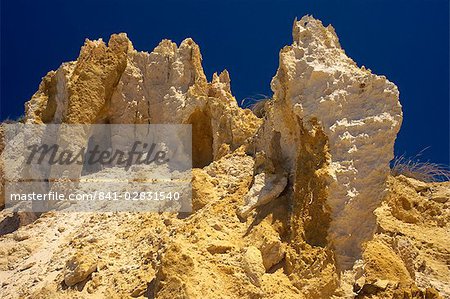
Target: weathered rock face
x,y
344,117
78,268
116,84
283,204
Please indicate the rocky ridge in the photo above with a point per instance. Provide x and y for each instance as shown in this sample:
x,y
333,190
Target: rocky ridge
x,y
297,203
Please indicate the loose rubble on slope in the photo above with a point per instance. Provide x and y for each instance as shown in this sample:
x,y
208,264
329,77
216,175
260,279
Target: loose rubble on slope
x,y
295,203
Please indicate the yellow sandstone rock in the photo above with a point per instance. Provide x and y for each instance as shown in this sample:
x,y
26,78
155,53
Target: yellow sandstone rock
x,y
292,201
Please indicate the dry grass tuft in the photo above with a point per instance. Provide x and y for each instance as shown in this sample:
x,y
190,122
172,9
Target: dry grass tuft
x,y
248,102
423,171
8,120
256,104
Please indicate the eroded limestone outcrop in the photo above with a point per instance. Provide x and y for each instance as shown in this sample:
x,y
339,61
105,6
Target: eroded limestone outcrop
x,y
283,203
342,117
115,84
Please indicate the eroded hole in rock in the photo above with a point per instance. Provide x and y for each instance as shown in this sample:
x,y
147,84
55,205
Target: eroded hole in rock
x,y
202,139
13,222
99,142
9,224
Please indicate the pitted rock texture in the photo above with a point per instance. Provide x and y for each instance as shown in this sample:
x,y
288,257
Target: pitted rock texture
x,y
319,91
292,201
115,84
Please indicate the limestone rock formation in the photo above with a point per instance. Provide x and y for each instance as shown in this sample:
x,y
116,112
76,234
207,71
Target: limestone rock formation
x,y
347,118
115,84
266,187
295,201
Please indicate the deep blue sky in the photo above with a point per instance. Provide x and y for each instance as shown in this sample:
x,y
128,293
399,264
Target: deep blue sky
x,y
408,41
